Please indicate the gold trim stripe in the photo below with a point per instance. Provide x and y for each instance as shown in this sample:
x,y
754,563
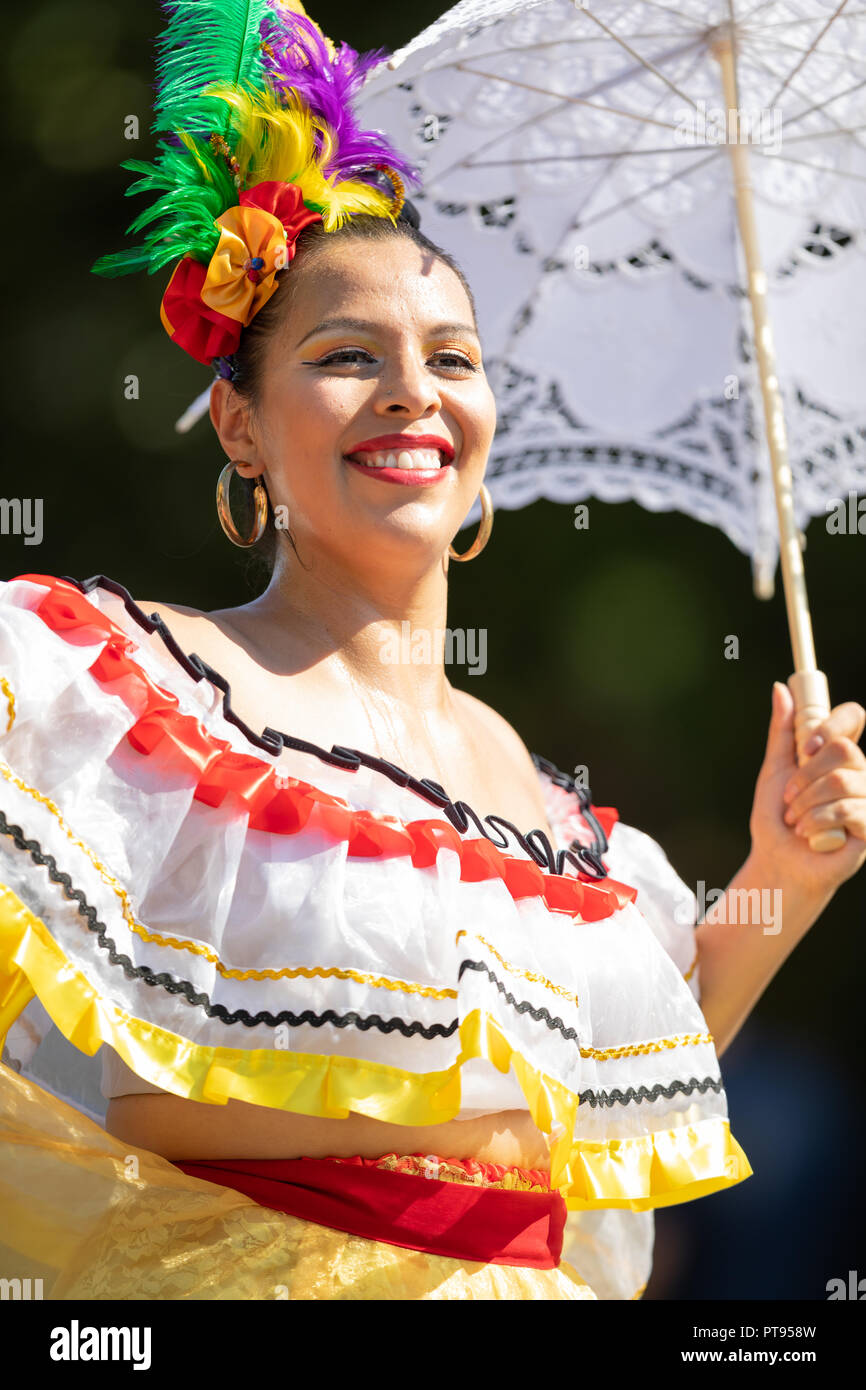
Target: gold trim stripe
x,y
10,701
597,1054
197,948
309,972
516,970
654,1169
607,1054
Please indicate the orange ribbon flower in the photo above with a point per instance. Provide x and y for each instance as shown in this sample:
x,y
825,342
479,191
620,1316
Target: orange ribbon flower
x,y
205,310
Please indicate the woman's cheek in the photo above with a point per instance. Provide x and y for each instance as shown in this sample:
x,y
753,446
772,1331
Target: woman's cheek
x,y
477,421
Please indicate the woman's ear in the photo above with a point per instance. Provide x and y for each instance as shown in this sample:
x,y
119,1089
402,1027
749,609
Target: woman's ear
x,y
230,415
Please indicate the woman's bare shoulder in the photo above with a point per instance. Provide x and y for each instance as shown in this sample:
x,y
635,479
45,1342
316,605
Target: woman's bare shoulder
x,y
187,625
499,732
191,628
169,610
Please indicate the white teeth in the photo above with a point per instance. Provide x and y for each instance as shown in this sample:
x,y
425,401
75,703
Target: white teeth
x,y
424,459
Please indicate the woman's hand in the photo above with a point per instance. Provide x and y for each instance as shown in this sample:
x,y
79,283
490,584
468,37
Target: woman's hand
x,y
791,803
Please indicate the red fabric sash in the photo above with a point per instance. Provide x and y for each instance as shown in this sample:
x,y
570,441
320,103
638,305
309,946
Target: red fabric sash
x,y
467,1222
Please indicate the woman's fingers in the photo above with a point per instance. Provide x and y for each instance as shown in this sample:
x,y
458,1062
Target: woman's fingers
x,y
841,783
846,721
830,788
850,813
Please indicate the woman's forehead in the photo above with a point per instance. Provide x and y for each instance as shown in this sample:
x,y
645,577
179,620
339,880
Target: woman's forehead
x,y
389,276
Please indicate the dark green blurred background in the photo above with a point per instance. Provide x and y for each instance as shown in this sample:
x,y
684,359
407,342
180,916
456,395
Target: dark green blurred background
x,y
605,646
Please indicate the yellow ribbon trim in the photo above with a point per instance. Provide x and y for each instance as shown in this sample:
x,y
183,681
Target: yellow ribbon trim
x,y
674,1165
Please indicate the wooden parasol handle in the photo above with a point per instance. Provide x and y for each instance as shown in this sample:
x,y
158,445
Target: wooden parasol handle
x,y
808,685
811,707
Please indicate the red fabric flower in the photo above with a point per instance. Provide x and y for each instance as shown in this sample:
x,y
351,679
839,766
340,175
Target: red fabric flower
x,y
286,202
203,332
198,324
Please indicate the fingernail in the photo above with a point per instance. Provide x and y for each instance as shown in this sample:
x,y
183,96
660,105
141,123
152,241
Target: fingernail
x,y
815,742
789,793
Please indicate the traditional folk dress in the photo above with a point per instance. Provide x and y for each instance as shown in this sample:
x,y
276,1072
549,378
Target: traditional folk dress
x,y
192,907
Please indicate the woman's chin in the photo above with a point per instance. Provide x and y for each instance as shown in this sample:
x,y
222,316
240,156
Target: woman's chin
x,y
411,533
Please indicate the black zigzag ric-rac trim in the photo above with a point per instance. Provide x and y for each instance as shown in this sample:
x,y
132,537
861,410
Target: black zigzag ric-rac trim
x,y
197,998
584,797
593,1098
535,843
617,1097
523,1006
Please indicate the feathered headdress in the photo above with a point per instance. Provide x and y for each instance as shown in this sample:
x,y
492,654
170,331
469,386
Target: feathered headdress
x,y
258,139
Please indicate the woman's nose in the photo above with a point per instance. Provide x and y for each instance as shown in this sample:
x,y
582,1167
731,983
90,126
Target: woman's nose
x,y
409,390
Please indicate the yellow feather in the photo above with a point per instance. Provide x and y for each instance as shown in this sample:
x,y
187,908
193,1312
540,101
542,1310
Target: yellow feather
x,y
272,141
276,141
190,145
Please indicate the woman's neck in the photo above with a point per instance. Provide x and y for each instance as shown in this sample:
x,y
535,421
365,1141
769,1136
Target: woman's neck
x,y
379,629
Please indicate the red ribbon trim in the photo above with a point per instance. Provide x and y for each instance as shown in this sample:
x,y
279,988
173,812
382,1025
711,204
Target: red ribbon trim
x,y
485,1224
182,745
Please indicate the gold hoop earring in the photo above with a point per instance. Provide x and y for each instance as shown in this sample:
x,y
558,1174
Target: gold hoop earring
x,y
224,511
484,529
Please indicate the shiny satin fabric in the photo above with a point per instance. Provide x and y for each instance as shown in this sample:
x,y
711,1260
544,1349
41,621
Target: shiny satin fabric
x,y
479,1220
117,763
205,307
231,286
96,1218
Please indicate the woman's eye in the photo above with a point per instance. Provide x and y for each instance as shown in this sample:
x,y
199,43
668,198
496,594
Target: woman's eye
x,y
449,360
344,355
458,360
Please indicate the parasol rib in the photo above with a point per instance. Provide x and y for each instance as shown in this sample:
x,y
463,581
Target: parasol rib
x,y
810,50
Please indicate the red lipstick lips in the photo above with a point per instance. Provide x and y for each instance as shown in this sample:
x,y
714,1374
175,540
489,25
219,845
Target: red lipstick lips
x,y
396,443
388,443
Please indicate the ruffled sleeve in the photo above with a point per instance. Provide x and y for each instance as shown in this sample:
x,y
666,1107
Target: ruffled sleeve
x,y
244,915
668,904
613,1247
664,900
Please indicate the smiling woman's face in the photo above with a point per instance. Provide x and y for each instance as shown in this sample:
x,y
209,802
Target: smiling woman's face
x,y
375,368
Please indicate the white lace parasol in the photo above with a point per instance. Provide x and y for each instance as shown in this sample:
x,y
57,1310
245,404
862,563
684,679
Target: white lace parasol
x,y
638,192
571,160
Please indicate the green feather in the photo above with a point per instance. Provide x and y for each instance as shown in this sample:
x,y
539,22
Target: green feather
x,y
204,43
181,220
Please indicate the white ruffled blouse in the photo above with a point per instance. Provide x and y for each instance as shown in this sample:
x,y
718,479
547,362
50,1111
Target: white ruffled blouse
x,y
249,915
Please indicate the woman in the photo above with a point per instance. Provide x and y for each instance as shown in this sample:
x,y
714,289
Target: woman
x,y
359,1042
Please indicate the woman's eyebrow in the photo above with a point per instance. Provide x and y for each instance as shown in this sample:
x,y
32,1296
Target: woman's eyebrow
x,y
364,326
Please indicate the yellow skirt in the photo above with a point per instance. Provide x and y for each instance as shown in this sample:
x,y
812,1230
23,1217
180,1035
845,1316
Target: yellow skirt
x,y
96,1218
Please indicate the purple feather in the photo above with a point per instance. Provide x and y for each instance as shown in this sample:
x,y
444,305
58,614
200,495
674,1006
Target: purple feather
x,y
301,60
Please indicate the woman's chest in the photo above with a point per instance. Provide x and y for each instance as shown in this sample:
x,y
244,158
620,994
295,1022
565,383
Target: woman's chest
x,y
454,747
